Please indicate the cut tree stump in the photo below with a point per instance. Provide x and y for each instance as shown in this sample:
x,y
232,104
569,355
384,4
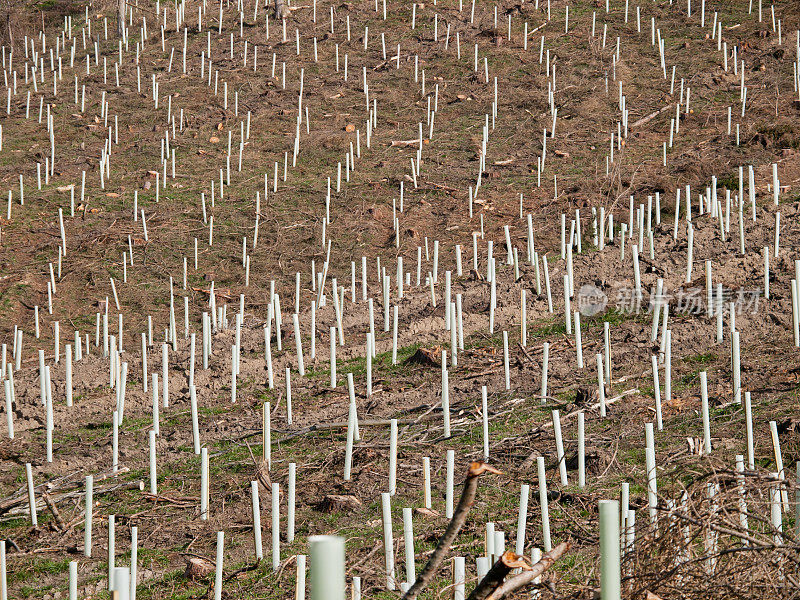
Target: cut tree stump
x,y
430,357
338,503
198,568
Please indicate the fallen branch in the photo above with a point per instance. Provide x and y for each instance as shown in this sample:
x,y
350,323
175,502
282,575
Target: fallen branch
x,y
652,116
404,143
525,352
527,577
476,469
245,569
160,498
60,525
494,578
20,506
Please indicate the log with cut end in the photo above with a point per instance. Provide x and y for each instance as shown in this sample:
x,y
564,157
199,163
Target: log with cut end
x,y
527,577
497,574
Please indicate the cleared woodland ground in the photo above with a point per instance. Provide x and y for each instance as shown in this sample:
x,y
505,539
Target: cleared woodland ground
x,y
362,223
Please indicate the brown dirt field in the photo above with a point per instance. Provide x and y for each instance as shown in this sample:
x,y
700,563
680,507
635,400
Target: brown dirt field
x,y
290,237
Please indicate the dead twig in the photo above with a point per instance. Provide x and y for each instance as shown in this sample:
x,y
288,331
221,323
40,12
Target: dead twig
x,y
245,569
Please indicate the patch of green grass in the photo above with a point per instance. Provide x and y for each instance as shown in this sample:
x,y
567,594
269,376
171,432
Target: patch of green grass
x,y
703,359
149,556
38,567
686,380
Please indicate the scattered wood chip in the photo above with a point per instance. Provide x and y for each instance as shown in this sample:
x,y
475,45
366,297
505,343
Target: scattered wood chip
x,y
695,446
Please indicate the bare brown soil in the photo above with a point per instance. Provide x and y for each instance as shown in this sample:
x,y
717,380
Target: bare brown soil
x,y
290,237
